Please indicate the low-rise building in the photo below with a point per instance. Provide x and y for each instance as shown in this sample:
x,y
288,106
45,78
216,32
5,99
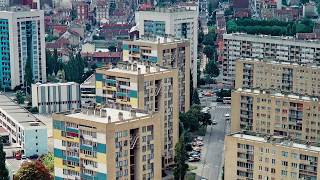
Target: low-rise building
x,y
106,143
270,157
26,131
56,97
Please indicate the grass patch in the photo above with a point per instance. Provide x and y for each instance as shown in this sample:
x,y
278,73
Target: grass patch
x,y
191,168
190,176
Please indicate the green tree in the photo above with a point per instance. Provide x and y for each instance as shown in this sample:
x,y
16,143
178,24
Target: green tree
x,y
48,161
209,51
180,159
32,170
4,173
20,97
73,14
195,97
74,69
112,8
112,48
28,76
210,38
212,69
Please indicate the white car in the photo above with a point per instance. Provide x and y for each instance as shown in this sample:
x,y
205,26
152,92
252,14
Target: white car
x,y
199,138
214,122
23,157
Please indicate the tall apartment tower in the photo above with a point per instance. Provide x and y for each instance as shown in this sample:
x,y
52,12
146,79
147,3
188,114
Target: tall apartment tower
x,y
22,40
286,49
166,52
106,143
172,21
151,88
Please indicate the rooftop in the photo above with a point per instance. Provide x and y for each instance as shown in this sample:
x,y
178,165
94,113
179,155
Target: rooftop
x,y
17,113
279,140
275,93
265,38
158,40
284,63
171,9
135,68
107,115
55,84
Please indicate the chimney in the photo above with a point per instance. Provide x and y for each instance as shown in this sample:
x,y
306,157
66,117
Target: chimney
x,y
147,68
133,113
135,67
139,71
120,116
109,119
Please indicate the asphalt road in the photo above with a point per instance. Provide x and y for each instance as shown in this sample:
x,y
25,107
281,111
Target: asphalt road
x,y
213,159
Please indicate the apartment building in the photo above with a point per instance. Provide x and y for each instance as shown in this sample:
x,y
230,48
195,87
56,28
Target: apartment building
x,y
105,143
152,88
273,113
286,77
180,22
289,49
56,97
28,134
252,157
22,37
168,52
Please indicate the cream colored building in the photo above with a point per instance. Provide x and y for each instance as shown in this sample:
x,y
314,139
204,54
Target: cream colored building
x,y
249,157
289,49
142,86
167,52
276,114
282,76
180,22
107,143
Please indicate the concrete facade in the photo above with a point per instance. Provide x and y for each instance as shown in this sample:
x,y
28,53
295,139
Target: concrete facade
x,y
172,21
282,76
22,36
56,97
107,143
166,52
26,131
254,157
286,49
151,88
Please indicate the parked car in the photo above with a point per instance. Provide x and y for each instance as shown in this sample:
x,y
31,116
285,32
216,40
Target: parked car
x,y
23,157
199,143
199,138
194,153
192,159
214,122
198,149
195,156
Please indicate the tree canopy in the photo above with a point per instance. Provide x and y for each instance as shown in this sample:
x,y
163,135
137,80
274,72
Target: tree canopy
x,y
4,173
20,97
212,69
74,68
195,97
181,157
194,118
32,170
270,27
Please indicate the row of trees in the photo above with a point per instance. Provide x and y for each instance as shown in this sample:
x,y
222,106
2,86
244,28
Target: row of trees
x,y
270,27
73,70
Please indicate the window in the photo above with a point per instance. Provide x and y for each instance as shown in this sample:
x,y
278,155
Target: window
x,y
284,154
284,173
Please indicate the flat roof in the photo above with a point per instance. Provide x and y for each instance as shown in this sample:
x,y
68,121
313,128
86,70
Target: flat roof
x,y
142,67
113,113
55,84
282,143
272,92
159,39
17,113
